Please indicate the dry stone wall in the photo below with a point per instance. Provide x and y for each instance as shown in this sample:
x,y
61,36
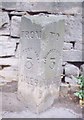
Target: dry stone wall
x,y
10,22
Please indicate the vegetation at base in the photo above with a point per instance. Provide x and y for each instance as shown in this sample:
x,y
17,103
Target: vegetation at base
x,y
80,93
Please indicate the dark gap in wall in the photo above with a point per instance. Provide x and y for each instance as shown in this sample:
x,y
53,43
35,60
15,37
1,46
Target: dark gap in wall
x,y
29,12
10,16
5,35
63,77
35,13
14,15
16,46
14,37
73,43
3,9
78,64
46,12
3,66
8,56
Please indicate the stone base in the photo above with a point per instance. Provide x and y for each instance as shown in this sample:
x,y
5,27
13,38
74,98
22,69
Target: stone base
x,y
37,98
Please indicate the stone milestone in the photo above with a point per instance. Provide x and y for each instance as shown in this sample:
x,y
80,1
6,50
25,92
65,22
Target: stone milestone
x,y
41,44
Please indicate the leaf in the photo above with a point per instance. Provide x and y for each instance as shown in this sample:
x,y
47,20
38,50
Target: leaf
x,y
80,96
76,94
80,93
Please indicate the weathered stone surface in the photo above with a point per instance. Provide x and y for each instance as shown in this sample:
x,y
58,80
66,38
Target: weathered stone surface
x,y
4,19
5,30
7,47
15,26
9,73
67,46
9,61
41,52
4,23
2,81
71,80
50,6
55,7
9,5
79,46
73,8
82,69
39,98
73,55
68,80
71,70
0,5
17,52
16,40
73,25
24,6
75,80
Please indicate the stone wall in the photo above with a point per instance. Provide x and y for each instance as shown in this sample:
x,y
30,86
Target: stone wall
x,y
10,20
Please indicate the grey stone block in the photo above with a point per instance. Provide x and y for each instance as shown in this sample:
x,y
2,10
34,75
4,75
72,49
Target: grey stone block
x,y
9,61
67,46
4,19
5,30
49,6
73,25
10,73
73,55
7,47
9,5
41,52
15,26
58,7
4,24
82,69
71,69
71,80
79,46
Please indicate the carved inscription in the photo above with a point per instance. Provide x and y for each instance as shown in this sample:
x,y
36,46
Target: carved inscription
x,y
37,34
30,65
30,55
31,34
50,59
31,80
